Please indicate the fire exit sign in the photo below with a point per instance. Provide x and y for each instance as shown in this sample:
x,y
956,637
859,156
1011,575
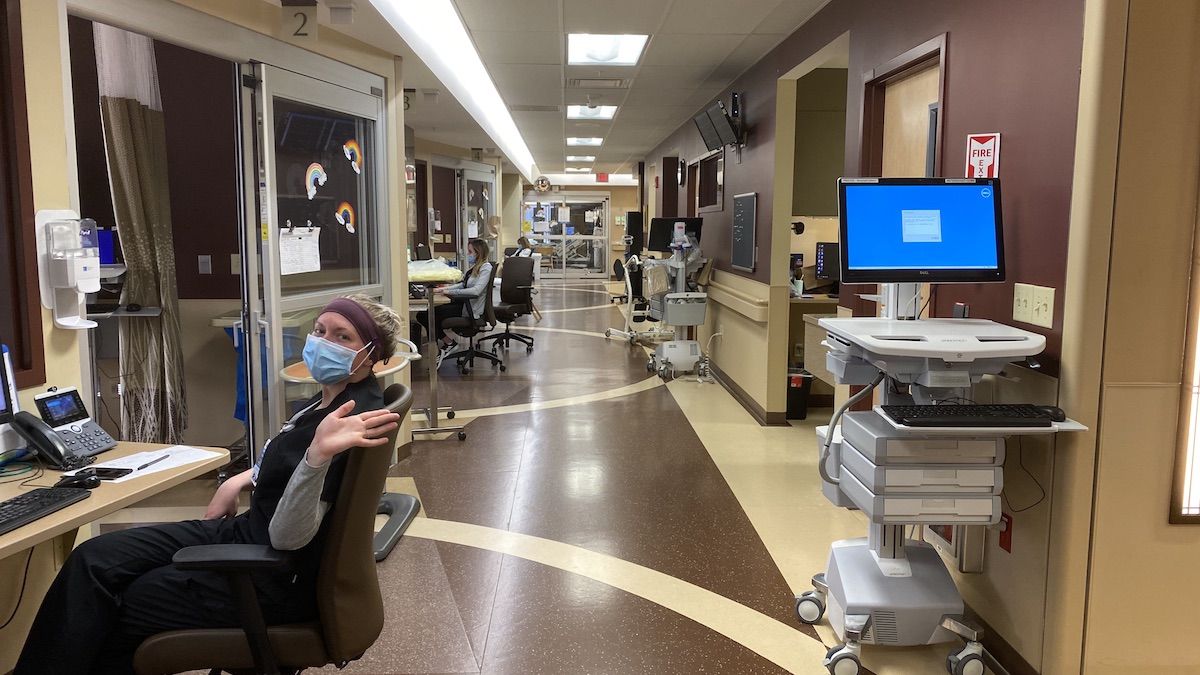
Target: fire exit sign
x,y
983,155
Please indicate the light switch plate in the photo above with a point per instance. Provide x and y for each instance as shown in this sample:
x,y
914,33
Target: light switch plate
x,y
1041,306
205,263
1022,302
235,264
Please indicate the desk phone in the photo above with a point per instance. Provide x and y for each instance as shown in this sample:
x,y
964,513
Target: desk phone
x,y
64,412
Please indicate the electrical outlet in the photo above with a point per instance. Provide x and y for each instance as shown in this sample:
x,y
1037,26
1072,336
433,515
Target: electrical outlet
x,y
1041,306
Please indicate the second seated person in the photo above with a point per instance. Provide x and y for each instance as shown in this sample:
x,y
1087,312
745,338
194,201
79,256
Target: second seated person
x,y
467,298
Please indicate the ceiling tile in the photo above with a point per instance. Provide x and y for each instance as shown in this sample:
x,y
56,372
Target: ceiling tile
x,y
522,84
690,50
701,16
510,15
519,47
672,77
788,16
613,16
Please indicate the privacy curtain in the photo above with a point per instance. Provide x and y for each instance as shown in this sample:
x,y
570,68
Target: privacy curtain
x,y
153,401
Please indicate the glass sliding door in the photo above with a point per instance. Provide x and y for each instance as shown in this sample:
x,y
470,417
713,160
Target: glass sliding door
x,y
571,233
317,231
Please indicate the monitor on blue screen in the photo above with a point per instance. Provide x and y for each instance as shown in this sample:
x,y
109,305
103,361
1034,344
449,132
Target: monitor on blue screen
x,y
936,230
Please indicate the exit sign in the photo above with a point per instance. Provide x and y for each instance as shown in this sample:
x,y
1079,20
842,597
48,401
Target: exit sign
x,y
983,155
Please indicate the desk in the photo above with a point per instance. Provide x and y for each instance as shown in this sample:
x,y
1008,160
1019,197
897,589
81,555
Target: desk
x,y
416,305
800,332
46,542
814,351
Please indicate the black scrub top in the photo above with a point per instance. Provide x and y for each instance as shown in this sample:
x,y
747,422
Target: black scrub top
x,y
279,460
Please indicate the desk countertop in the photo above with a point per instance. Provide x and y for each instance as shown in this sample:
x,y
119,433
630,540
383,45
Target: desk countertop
x,y
814,318
815,299
106,499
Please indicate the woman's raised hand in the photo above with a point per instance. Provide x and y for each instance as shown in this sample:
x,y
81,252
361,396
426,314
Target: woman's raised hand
x,y
340,431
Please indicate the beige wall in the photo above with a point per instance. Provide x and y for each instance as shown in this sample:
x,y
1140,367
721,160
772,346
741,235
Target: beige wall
x,y
1153,225
43,32
511,185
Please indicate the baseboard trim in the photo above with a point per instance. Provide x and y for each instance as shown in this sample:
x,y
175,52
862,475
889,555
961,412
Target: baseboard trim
x,y
1007,660
760,415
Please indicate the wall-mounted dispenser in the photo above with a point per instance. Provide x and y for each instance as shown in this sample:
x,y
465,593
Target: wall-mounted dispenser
x,y
68,265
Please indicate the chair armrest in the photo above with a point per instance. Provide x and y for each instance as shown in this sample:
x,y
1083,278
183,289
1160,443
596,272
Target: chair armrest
x,y
230,558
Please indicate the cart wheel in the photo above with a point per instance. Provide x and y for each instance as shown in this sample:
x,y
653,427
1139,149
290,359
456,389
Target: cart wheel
x,y
462,435
964,663
841,661
450,414
809,608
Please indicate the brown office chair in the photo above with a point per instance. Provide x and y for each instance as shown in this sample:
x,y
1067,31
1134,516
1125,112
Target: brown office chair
x,y
349,604
470,328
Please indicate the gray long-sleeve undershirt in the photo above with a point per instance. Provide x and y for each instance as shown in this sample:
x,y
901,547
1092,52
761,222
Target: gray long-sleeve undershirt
x,y
300,510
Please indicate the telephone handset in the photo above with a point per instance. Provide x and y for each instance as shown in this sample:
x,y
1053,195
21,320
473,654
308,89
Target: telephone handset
x,y
47,443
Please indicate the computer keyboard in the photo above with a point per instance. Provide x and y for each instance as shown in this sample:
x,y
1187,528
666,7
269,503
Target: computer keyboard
x,y
989,415
26,508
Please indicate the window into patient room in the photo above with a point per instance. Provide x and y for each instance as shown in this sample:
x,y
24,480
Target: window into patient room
x,y
20,315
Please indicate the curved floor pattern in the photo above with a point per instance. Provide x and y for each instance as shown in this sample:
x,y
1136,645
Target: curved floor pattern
x,y
781,644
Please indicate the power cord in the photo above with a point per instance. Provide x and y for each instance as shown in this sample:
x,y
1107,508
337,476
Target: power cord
x,y
21,595
833,422
1021,462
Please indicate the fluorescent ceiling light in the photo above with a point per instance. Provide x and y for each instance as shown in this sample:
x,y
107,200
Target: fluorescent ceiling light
x,y
434,31
595,112
584,49
573,140
578,169
581,158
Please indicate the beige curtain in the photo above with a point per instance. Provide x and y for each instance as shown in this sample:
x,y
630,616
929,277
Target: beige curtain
x,y
153,401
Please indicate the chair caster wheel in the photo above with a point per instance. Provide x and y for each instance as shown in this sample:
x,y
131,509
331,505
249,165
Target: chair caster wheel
x,y
529,349
809,608
607,332
966,661
462,435
839,660
450,415
503,367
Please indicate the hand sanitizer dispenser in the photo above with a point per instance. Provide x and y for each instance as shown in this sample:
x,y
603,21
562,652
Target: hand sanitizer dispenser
x,y
69,265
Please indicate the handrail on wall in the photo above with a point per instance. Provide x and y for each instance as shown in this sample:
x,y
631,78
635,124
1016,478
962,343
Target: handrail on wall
x,y
747,305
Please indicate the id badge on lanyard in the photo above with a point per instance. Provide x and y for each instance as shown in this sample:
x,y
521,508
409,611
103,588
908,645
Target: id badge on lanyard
x,y
287,426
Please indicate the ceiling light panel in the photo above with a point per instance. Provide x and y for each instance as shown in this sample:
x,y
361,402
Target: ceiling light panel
x,y
578,169
594,112
581,158
586,49
574,140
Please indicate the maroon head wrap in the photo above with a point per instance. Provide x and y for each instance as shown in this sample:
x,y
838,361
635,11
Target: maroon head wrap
x,y
361,319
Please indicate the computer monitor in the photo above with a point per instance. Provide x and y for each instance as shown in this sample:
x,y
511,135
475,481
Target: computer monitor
x,y
936,230
828,261
708,132
662,232
6,406
636,231
721,122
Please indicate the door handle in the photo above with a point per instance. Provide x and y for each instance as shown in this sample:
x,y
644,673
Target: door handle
x,y
238,326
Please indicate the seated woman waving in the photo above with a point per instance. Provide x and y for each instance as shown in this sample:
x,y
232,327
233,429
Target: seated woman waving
x,y
117,589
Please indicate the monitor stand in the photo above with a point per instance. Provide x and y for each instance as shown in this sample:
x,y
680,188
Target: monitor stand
x,y
900,301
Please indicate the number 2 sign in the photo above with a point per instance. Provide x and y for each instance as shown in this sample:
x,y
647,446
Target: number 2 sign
x,y
299,23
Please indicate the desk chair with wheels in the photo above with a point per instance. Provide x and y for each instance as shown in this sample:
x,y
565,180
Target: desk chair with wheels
x,y
619,275
350,606
422,253
470,327
516,300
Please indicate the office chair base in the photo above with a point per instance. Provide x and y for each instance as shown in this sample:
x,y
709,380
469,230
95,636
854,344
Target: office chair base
x,y
400,510
466,359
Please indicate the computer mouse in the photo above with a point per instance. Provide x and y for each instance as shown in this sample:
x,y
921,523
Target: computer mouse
x,y
133,307
1055,413
83,479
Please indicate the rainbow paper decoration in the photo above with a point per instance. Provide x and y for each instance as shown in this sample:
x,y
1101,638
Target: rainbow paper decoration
x,y
354,154
345,216
314,175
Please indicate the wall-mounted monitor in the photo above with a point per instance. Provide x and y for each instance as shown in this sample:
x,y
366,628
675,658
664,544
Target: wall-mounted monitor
x,y
723,124
935,230
708,132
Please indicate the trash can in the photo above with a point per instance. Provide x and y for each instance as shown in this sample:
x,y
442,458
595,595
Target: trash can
x,y
799,386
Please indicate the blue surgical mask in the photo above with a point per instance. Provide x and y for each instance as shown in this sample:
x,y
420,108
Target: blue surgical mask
x,y
328,362
470,260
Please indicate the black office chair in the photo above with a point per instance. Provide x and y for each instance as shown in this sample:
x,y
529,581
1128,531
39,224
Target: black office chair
x,y
470,327
516,300
619,274
349,603
423,252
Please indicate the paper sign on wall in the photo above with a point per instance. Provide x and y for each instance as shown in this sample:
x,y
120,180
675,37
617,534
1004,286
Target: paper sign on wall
x,y
564,214
541,226
300,250
983,155
472,230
